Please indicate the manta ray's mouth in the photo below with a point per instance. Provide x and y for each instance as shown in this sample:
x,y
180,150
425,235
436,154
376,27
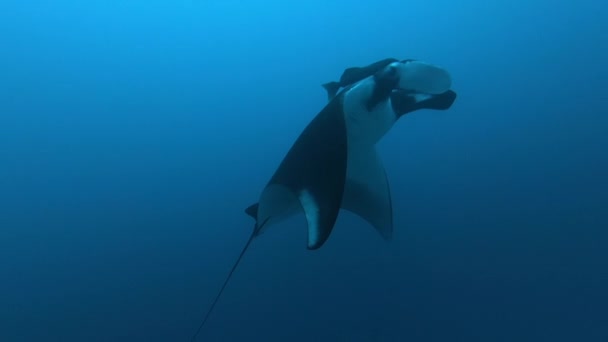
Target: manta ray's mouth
x,y
407,101
419,95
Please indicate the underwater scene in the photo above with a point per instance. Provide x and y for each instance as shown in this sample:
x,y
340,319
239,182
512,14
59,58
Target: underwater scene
x,y
357,171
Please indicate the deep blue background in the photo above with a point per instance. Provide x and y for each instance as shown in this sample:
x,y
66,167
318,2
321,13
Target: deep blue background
x,y
134,133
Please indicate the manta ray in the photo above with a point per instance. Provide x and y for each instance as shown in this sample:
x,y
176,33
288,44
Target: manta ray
x,y
333,163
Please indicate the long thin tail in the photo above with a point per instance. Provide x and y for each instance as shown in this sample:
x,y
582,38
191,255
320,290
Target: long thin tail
x,y
217,297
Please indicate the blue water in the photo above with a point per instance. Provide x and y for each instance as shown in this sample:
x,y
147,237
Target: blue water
x,y
134,133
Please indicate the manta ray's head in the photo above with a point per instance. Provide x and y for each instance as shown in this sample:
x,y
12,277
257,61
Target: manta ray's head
x,y
417,85
373,104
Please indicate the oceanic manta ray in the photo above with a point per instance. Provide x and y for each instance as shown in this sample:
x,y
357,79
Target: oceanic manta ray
x,y
333,164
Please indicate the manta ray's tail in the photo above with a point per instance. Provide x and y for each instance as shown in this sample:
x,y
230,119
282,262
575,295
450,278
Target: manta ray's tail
x,y
217,297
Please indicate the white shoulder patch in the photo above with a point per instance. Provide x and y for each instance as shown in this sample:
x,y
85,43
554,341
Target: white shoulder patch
x,y
311,210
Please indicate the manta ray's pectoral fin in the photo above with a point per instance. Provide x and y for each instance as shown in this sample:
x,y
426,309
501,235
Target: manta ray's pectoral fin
x,y
367,193
310,178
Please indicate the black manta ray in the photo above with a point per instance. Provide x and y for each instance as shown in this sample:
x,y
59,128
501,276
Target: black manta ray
x,y
333,164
